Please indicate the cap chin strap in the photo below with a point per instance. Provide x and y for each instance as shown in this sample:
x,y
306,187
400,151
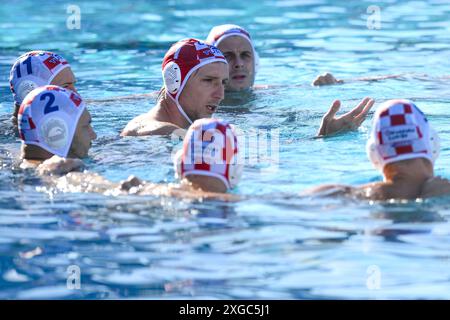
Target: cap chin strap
x,y
183,113
180,109
256,61
373,155
235,173
435,144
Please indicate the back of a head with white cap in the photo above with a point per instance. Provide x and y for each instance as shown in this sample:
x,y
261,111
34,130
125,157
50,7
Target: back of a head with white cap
x,y
401,131
210,148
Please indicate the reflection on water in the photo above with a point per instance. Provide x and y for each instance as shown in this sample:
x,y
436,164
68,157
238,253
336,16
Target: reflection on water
x,y
273,244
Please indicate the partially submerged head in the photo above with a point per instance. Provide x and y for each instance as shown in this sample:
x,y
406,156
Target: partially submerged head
x,y
35,69
54,121
209,158
194,75
237,46
402,137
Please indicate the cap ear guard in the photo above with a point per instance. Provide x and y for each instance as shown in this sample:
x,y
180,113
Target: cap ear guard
x,y
24,88
435,143
177,164
256,61
48,118
373,155
54,130
235,173
172,77
235,167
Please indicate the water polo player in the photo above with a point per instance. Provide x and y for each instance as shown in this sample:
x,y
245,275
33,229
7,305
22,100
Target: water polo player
x,y
54,124
403,147
207,166
243,62
38,68
209,157
194,76
237,47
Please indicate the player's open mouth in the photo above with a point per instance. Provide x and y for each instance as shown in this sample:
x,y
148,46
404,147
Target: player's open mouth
x,y
212,107
239,77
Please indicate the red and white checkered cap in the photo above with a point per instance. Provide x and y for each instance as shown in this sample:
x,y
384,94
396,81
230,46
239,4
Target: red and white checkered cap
x,y
210,148
401,131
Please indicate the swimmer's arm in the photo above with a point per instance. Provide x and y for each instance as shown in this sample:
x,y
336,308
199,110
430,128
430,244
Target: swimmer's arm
x,y
329,79
65,175
93,182
134,185
85,182
328,190
377,78
57,166
435,187
183,191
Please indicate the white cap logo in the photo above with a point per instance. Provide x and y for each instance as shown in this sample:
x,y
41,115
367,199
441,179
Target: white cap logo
x,y
55,132
24,88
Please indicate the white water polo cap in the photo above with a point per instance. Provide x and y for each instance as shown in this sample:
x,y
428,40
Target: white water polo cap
x,y
34,69
48,118
221,32
180,62
210,148
401,131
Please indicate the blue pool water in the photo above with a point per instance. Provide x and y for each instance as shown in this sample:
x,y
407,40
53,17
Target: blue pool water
x,y
274,244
